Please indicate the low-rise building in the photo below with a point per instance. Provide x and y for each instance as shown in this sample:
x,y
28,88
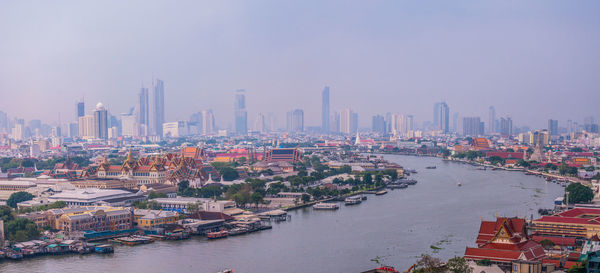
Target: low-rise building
x,y
88,197
96,219
149,219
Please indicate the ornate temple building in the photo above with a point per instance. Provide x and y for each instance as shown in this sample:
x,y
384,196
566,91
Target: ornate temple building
x,y
503,242
167,169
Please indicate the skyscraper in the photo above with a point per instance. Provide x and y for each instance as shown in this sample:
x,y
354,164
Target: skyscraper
x,y
80,109
100,122
444,118
143,118
241,114
472,126
325,126
296,120
208,122
129,125
492,120
553,127
436,115
159,107
506,127
378,124
86,127
259,123
348,122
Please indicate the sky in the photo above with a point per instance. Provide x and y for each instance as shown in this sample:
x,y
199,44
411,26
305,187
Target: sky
x,y
532,60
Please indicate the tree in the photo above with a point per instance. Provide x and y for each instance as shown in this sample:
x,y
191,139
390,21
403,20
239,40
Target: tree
x,y
154,194
579,193
242,160
368,179
523,163
18,197
239,199
21,229
305,198
495,160
458,265
193,207
229,174
563,168
182,185
256,198
429,264
547,243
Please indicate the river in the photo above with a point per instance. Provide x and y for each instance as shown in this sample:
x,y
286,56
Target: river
x,y
395,228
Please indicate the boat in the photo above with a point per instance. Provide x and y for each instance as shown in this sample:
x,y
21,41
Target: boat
x,y
382,192
353,200
407,181
458,184
363,197
217,234
134,240
397,186
104,249
326,206
430,167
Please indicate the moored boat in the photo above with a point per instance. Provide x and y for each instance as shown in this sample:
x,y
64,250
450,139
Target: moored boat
x,y
326,206
382,192
353,200
217,234
430,167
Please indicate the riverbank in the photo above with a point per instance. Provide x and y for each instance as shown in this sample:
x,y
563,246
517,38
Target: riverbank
x,y
396,227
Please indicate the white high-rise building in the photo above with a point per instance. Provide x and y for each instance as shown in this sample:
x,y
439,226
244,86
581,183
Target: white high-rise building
x,y
259,123
208,122
86,127
129,125
159,107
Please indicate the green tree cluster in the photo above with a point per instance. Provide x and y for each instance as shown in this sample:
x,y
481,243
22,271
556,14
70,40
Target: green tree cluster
x,y
579,193
18,197
17,229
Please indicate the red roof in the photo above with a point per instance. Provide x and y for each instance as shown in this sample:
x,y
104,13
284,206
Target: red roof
x,y
570,220
556,240
491,254
569,264
580,211
551,261
505,155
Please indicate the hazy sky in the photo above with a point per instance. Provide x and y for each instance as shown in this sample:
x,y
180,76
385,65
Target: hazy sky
x,y
530,59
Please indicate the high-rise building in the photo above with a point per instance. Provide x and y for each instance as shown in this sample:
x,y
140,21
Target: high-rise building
x,y
444,118
348,122
271,122
441,117
259,123
129,125
335,123
553,127
86,127
159,107
74,129
295,120
378,124
100,122
506,127
3,122
143,113
80,109
208,122
472,126
241,114
325,126
492,120
454,122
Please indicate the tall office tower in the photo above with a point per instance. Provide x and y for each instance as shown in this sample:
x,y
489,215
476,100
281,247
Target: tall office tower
x,y
159,107
241,114
492,120
18,132
388,122
348,122
472,126
259,123
553,127
298,120
378,124
570,126
410,123
3,122
444,120
589,125
436,115
208,122
397,124
195,124
325,126
143,113
100,122
335,122
80,109
35,125
454,122
129,125
73,129
86,127
506,127
271,123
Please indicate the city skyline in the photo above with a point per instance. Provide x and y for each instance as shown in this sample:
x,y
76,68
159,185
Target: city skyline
x,y
386,64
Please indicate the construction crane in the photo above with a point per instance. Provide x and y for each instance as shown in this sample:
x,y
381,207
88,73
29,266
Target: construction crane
x,y
410,268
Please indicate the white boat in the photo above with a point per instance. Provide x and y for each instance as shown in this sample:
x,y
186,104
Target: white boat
x,y
353,200
326,206
458,184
